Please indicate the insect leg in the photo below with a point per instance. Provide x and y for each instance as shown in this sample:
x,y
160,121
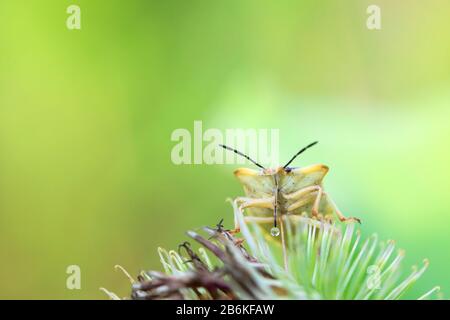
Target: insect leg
x,y
300,193
242,199
315,208
256,203
301,202
303,197
248,203
338,212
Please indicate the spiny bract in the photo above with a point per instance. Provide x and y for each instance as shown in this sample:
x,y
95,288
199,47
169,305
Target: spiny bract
x,y
325,261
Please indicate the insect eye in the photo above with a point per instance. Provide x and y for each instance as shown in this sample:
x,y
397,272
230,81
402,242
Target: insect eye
x,y
288,170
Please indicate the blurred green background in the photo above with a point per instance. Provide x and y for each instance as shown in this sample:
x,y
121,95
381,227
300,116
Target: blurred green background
x,y
86,116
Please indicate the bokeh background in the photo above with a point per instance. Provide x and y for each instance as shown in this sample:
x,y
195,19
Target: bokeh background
x,y
86,116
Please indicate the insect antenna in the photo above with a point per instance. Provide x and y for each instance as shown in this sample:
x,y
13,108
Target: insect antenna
x,y
298,153
243,155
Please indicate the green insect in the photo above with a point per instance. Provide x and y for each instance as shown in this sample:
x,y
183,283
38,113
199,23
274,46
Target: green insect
x,y
274,194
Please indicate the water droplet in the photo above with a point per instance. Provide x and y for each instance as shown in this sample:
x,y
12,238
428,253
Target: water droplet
x,y
275,232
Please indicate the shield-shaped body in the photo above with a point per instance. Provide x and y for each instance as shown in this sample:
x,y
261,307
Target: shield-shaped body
x,y
291,191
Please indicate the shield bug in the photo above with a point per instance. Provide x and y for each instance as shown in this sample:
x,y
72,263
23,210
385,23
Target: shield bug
x,y
273,193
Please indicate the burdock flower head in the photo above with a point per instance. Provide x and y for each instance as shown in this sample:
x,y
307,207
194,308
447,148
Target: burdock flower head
x,y
323,261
